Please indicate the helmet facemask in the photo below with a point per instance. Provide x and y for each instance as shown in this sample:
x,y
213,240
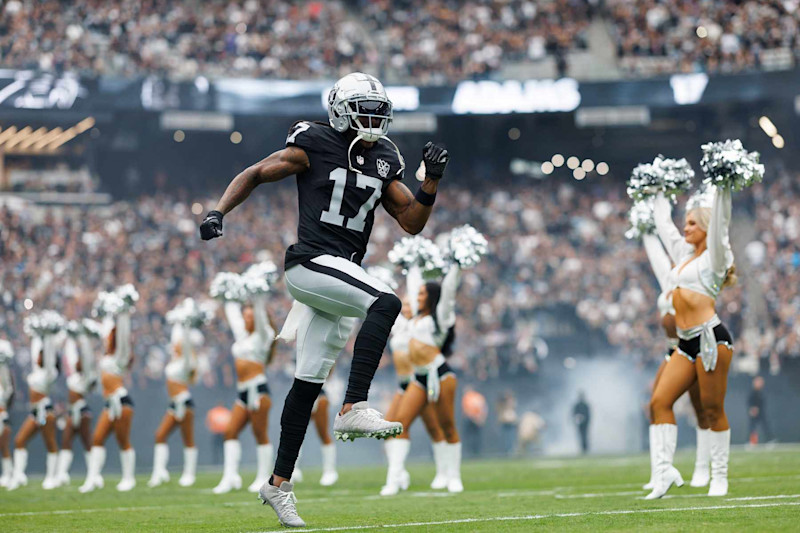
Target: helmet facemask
x,y
369,117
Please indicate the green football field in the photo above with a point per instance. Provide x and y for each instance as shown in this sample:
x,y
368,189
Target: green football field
x,y
597,493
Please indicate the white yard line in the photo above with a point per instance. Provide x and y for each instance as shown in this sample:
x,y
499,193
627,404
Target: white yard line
x,y
598,494
540,517
775,497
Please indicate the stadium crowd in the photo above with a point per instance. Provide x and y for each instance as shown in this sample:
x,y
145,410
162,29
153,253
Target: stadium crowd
x,y
430,42
557,249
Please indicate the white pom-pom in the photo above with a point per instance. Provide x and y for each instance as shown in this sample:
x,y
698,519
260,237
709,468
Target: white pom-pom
x,y
259,278
92,328
6,351
128,294
45,323
108,304
669,176
702,197
228,286
466,246
73,328
384,275
418,251
641,219
727,164
191,314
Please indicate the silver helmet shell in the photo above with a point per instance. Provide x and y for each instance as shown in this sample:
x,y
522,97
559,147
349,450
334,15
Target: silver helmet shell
x,y
358,101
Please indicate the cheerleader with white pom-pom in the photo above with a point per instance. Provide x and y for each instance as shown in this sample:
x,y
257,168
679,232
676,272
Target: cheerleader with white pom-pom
x,y
705,266
180,373
398,344
81,372
253,349
432,334
6,398
117,416
45,332
643,225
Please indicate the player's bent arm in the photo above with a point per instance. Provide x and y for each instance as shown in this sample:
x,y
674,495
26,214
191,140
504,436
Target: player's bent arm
x,y
405,208
275,167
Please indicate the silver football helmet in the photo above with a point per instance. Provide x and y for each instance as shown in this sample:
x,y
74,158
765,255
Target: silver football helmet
x,y
358,101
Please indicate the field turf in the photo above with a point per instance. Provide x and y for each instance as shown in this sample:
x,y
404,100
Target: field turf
x,y
589,494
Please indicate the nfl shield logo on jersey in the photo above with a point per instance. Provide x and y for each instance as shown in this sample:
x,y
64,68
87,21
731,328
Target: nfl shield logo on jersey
x,y
383,168
360,159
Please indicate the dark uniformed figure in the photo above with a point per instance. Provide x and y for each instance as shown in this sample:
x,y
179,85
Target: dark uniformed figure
x,y
756,413
581,414
344,168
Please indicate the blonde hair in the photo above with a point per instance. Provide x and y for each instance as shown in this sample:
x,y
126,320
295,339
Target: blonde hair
x,y
702,216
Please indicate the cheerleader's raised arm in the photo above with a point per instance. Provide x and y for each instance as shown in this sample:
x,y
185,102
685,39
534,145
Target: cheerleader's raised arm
x,y
718,237
233,312
676,246
659,260
446,309
122,351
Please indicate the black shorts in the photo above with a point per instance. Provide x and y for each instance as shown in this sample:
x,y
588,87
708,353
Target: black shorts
x,y
691,348
263,388
125,400
321,393
48,409
189,404
443,370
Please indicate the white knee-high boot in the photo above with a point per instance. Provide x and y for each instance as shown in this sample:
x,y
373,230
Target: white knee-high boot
x,y
264,462
396,475
666,440
189,467
701,475
64,464
160,461
94,469
127,458
454,468
440,461
720,452
50,481
232,454
8,470
329,473
297,474
650,485
18,477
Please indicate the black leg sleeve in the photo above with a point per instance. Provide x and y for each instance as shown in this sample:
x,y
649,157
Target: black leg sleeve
x,y
370,342
294,422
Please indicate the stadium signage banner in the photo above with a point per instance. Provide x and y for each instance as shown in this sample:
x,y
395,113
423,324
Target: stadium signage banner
x,y
28,90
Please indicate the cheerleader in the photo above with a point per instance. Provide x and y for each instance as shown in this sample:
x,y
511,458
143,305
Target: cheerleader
x,y
180,373
397,480
252,350
6,399
79,365
704,262
44,345
431,334
117,416
660,262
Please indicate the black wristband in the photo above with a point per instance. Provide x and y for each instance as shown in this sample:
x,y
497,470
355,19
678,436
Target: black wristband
x,y
425,198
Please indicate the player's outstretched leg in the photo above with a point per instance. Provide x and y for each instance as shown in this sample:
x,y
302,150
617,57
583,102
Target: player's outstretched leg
x,y
277,491
356,418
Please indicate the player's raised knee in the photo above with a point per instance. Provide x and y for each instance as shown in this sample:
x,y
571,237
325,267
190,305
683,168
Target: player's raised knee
x,y
388,304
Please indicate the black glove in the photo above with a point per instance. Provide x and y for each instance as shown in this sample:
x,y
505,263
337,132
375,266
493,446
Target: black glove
x,y
211,227
435,159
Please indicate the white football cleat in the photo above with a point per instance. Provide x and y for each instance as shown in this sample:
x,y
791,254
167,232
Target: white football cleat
x,y
329,478
228,484
283,502
362,421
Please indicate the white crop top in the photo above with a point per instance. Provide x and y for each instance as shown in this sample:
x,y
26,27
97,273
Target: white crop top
x,y
706,273
398,342
659,261
43,375
6,385
117,362
423,329
180,367
251,346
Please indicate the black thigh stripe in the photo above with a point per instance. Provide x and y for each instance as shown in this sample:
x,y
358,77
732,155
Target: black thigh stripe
x,y
338,274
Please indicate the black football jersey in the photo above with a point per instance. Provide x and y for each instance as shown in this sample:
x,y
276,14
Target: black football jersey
x,y
337,205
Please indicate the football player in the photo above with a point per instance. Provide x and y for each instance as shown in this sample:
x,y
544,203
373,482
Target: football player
x,y
343,168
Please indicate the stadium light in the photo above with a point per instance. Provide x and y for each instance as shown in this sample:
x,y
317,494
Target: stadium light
x,y
514,134
579,174
557,160
47,138
28,303
602,168
778,141
547,168
178,136
15,139
236,137
573,162
32,138
768,126
197,208
587,165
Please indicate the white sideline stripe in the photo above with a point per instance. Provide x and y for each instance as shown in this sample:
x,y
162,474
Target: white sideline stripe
x,y
776,497
597,494
539,517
